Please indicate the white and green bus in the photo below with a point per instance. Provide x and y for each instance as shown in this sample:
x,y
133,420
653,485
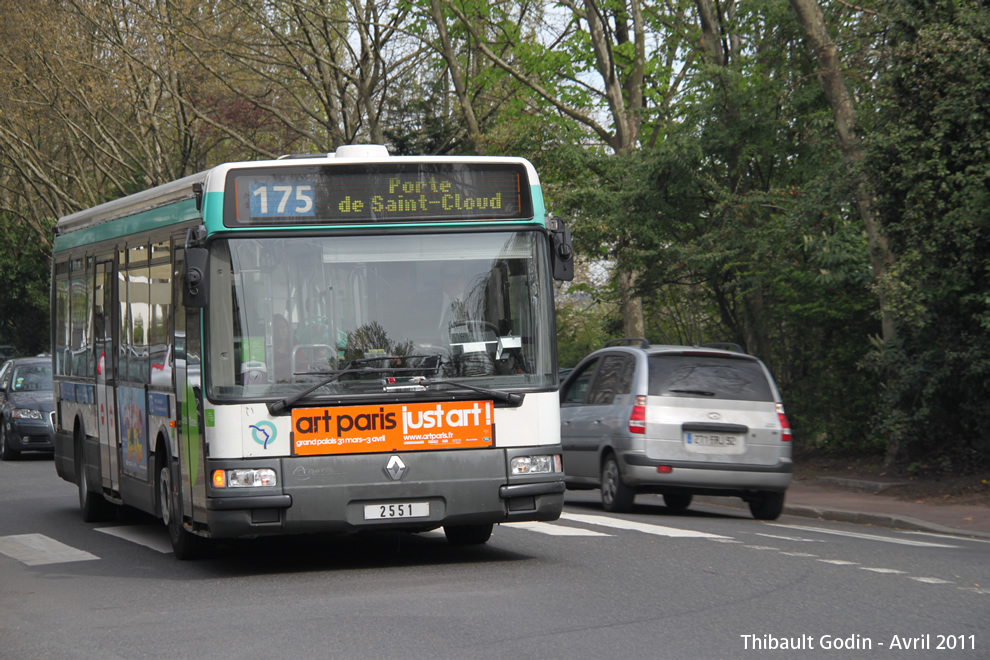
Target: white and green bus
x,y
333,343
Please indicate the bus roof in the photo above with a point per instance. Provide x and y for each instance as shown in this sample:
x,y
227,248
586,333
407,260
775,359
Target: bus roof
x,y
213,180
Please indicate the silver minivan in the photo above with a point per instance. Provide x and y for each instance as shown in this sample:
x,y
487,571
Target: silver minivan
x,y
675,420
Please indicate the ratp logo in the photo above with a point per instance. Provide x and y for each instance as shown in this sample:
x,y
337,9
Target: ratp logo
x,y
264,433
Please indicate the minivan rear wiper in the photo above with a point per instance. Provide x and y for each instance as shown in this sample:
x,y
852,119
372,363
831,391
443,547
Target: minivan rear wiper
x,y
698,392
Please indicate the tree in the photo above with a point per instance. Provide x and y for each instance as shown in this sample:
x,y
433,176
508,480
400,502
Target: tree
x,y
590,64
928,158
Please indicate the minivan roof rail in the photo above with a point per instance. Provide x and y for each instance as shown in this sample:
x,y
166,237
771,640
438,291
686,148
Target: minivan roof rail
x,y
725,346
629,341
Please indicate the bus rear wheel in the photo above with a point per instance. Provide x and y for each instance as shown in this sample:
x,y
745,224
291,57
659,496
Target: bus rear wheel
x,y
92,504
185,544
468,534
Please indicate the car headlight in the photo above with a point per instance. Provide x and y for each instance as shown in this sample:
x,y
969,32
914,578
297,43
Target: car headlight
x,y
25,413
536,464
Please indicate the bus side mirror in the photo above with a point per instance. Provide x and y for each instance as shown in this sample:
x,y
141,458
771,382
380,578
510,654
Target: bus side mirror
x,y
561,251
194,280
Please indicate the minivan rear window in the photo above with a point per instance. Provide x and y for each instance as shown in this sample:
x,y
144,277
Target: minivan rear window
x,y
714,377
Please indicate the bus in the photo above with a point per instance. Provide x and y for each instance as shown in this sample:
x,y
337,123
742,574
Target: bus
x,y
327,343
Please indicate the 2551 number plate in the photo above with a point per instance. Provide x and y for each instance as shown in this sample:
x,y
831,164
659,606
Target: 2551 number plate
x,y
390,510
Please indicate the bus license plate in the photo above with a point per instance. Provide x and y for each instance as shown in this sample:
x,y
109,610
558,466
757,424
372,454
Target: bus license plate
x,y
396,510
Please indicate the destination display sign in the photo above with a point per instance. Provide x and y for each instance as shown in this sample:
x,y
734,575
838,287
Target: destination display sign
x,y
393,427
376,193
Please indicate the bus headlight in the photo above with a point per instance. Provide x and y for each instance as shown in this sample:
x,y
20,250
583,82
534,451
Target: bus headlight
x,y
536,464
244,478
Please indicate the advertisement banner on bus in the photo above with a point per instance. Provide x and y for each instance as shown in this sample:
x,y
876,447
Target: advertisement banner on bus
x,y
395,427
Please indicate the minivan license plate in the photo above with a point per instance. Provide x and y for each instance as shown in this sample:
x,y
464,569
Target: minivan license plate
x,y
713,440
396,510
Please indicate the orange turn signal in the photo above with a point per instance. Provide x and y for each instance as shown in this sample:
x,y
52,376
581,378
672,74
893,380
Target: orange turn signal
x,y
219,479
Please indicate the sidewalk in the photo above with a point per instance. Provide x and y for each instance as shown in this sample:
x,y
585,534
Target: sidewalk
x,y
863,502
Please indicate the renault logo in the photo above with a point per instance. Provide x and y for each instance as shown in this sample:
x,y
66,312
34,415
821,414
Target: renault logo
x,y
395,468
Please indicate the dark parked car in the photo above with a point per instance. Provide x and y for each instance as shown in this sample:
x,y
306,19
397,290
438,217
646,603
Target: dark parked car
x,y
675,420
27,406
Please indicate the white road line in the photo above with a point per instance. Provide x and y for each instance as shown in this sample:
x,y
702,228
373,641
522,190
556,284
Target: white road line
x,y
975,590
838,562
947,537
619,523
870,537
38,550
929,580
798,554
554,530
150,537
892,571
790,538
761,547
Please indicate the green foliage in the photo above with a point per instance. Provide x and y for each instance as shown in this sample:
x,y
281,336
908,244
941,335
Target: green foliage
x,y
930,165
24,289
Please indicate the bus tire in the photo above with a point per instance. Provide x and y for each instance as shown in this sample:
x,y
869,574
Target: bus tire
x,y
185,544
468,534
92,504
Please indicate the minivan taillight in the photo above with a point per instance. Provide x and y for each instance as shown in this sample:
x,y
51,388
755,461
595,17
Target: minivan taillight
x,y
785,426
637,419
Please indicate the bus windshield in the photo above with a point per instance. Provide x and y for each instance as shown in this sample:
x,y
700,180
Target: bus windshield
x,y
288,312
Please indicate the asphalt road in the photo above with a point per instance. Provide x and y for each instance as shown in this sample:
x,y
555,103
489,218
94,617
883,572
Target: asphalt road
x,y
709,583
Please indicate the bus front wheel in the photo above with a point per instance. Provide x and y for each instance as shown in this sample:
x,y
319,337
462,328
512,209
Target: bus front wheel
x,y
185,544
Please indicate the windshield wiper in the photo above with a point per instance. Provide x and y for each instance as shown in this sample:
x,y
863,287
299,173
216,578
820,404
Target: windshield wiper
x,y
508,397
698,392
352,367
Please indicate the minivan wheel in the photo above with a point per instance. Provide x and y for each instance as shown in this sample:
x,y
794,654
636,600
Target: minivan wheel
x,y
767,505
616,495
677,501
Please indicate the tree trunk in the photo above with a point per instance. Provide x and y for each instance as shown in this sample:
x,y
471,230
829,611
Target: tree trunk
x,y
833,83
830,76
632,305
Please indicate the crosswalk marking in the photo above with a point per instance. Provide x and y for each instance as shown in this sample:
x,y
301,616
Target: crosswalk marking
x,y
871,537
149,537
555,530
38,550
657,530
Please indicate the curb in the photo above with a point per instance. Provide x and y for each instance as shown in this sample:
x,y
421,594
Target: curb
x,y
891,521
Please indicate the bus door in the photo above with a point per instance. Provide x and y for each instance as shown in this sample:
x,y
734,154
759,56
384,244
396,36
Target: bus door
x,y
189,400
103,314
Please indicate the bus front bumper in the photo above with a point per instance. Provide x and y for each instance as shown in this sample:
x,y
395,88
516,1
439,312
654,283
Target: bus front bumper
x,y
344,494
